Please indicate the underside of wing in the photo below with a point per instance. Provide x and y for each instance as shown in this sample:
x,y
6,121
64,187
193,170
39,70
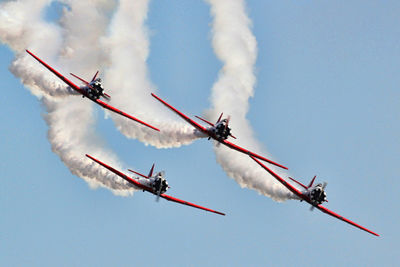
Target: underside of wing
x,y
183,116
169,198
59,75
329,212
109,107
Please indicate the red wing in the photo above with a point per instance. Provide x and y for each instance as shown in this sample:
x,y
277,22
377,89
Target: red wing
x,y
177,200
71,84
251,154
107,106
293,189
325,210
120,174
204,130
183,116
298,193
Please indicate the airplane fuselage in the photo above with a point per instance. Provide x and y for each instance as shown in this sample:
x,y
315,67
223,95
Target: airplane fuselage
x,y
315,195
219,131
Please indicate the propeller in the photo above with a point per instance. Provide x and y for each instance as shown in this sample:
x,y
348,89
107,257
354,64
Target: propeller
x,y
319,196
324,185
161,177
158,193
227,122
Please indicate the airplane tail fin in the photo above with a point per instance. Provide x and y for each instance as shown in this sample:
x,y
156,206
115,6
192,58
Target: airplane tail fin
x,y
220,116
312,181
151,171
94,77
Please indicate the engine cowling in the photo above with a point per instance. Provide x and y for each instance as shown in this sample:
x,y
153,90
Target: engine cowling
x,y
318,195
160,185
222,131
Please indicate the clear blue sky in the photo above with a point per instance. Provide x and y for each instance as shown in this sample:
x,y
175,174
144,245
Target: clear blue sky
x,y
327,102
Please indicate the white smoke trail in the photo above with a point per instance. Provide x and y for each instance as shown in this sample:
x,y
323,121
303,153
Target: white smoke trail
x,y
236,47
129,85
19,29
70,120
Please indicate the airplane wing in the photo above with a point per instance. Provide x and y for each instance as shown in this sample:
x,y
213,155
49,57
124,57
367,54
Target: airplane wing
x,y
136,183
225,142
109,107
120,174
59,75
183,116
320,207
329,212
177,200
291,188
251,154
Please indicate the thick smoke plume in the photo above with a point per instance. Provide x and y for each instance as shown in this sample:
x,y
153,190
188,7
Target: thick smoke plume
x,y
128,81
70,119
113,35
236,47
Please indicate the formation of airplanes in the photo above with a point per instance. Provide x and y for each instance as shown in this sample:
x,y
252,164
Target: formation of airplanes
x,y
220,131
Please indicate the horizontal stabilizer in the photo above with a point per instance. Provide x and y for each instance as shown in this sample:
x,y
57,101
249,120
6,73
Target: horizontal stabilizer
x,y
144,176
206,121
298,182
79,78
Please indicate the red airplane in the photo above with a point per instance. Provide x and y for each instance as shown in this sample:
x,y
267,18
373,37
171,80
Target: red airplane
x,y
92,90
218,131
314,195
155,184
